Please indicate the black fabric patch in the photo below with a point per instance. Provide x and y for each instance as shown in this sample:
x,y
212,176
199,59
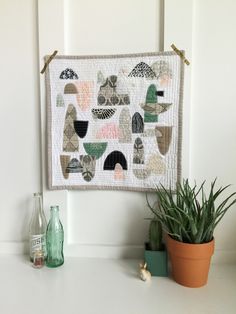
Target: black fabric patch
x,y
160,93
142,69
68,74
81,128
137,123
114,158
103,113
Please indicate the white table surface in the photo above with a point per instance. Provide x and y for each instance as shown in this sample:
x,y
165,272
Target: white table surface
x,y
102,286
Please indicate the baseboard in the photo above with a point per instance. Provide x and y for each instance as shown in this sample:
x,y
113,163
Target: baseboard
x,y
105,251
224,257
109,251
13,247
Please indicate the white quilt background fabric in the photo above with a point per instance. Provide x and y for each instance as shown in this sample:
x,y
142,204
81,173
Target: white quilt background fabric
x,y
87,69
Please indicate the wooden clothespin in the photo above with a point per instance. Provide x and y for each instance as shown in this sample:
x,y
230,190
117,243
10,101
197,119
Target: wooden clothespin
x,y
48,61
180,54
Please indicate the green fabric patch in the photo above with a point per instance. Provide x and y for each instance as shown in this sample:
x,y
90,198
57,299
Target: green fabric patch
x,y
60,101
95,149
150,117
151,96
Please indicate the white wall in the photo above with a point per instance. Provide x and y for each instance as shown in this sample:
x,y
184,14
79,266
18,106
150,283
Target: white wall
x,y
213,116
19,117
110,218
114,218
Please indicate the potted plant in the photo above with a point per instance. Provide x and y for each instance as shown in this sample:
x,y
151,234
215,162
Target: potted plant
x,y
155,253
189,218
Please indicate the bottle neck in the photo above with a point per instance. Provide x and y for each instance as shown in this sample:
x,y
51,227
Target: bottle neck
x,y
54,212
38,203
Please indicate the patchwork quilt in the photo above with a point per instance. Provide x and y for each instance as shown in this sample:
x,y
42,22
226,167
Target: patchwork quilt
x,y
114,122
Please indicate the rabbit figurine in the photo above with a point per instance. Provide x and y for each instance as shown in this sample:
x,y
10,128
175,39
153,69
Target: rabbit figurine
x,y
144,274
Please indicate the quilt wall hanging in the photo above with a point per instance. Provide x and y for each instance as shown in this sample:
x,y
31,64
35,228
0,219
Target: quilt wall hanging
x,y
114,122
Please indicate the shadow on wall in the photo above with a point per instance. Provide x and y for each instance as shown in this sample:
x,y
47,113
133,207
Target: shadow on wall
x,y
139,225
27,207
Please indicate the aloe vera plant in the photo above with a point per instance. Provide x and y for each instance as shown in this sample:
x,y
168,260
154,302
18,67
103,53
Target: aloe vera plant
x,y
190,215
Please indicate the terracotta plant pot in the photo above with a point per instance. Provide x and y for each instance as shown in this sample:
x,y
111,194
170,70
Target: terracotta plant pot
x,y
190,262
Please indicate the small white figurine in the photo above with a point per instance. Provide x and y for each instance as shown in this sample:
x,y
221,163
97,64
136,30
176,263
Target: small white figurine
x,y
144,274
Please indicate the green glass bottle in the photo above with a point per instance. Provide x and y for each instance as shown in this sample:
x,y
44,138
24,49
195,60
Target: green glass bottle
x,y
54,239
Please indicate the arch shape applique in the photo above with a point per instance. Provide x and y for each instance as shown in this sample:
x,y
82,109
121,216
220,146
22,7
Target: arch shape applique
x,y
70,88
60,101
70,139
113,158
118,172
125,133
68,73
137,123
156,165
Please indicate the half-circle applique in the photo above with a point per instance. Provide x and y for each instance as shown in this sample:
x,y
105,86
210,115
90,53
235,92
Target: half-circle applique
x,y
103,113
95,149
142,69
68,74
113,158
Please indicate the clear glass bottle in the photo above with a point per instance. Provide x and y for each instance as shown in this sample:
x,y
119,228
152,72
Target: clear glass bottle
x,y
38,259
37,229
54,239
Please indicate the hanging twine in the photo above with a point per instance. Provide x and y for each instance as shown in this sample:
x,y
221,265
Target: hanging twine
x,y
48,61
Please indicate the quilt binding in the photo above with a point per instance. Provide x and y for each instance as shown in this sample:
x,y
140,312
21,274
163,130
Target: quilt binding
x,y
49,116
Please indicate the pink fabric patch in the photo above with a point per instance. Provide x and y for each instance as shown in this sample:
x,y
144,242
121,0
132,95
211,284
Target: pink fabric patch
x,y
110,130
118,172
85,94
